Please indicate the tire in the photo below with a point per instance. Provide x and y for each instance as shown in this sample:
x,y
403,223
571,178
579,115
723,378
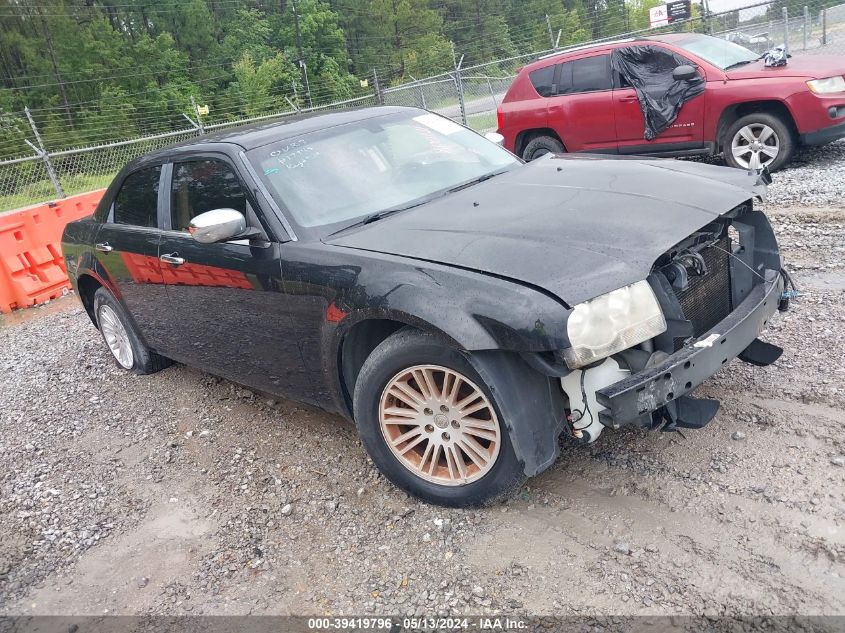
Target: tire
x,y
120,336
540,146
764,129
439,482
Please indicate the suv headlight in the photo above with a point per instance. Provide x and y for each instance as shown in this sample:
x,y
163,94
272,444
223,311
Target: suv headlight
x,y
612,322
827,85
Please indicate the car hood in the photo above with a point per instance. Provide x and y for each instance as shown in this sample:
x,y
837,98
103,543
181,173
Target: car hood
x,y
810,66
576,226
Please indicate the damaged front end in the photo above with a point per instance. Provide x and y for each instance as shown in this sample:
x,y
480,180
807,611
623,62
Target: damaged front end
x,y
717,289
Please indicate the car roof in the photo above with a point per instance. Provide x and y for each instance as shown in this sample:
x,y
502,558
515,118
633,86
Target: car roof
x,y
542,62
254,135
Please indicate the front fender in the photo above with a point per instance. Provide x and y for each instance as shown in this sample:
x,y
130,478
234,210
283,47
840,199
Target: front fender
x,y
466,309
531,405
342,288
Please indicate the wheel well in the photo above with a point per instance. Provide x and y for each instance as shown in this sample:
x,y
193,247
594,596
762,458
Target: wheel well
x,y
357,346
739,110
87,286
526,136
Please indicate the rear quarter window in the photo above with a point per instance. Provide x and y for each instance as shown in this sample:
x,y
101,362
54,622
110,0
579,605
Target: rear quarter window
x,y
543,80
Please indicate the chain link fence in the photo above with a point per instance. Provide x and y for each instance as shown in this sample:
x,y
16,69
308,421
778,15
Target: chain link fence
x,y
812,31
469,95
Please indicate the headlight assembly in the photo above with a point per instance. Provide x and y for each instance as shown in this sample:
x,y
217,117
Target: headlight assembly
x,y
612,322
827,85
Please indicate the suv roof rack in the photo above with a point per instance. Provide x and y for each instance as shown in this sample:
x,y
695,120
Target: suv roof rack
x,y
592,45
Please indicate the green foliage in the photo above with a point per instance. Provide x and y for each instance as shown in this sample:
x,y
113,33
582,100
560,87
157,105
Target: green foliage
x,y
95,71
254,83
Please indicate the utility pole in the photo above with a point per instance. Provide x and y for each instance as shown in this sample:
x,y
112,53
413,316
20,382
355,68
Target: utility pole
x,y
48,36
301,60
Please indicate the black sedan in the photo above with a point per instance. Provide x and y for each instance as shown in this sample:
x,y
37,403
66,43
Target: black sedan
x,y
463,308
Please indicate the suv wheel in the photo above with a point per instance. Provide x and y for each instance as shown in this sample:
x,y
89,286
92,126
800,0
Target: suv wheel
x,y
758,140
540,146
431,425
120,336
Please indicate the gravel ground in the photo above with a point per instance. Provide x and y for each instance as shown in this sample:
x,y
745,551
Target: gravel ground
x,y
815,177
183,493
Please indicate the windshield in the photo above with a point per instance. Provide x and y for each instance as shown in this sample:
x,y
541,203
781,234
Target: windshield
x,y
721,53
337,175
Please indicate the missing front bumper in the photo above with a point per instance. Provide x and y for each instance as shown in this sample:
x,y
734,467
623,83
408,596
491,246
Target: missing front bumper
x,y
655,389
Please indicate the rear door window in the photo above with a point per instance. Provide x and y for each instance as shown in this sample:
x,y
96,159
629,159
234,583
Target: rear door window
x,y
543,81
589,74
200,186
136,203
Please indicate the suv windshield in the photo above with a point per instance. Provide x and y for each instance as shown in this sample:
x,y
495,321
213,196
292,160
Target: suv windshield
x,y
721,53
340,174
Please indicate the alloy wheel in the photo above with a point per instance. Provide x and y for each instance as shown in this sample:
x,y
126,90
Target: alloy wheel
x,y
755,145
115,335
439,425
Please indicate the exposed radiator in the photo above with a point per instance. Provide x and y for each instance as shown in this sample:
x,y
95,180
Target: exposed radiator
x,y
707,300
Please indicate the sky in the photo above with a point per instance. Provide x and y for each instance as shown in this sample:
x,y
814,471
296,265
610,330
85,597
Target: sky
x,y
720,6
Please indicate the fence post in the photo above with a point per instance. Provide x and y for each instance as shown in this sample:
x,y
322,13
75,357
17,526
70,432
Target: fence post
x,y
806,25
459,84
549,27
42,152
492,94
200,126
379,96
708,25
824,27
422,98
785,14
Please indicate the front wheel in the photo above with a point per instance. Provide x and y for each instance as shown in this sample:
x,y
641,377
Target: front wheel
x,y
758,140
431,425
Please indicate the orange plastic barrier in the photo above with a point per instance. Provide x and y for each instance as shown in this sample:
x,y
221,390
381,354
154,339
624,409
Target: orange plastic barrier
x,y
32,268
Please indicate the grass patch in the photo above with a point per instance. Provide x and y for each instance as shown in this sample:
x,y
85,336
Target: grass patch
x,y
485,122
43,191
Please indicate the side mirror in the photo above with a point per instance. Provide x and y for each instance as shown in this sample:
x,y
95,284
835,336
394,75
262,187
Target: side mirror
x,y
684,73
495,137
218,225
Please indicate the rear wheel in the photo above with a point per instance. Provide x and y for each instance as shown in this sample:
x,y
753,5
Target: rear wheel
x,y
120,336
431,425
758,140
540,146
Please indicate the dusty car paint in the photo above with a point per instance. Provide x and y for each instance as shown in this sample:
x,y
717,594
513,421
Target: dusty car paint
x,y
590,224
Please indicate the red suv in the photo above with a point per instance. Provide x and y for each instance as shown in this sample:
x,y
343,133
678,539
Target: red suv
x,y
756,114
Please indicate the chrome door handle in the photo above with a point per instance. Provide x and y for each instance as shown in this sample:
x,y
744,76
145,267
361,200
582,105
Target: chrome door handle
x,y
172,258
104,247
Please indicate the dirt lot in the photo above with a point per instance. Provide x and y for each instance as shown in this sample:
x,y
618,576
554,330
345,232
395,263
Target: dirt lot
x,y
181,493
